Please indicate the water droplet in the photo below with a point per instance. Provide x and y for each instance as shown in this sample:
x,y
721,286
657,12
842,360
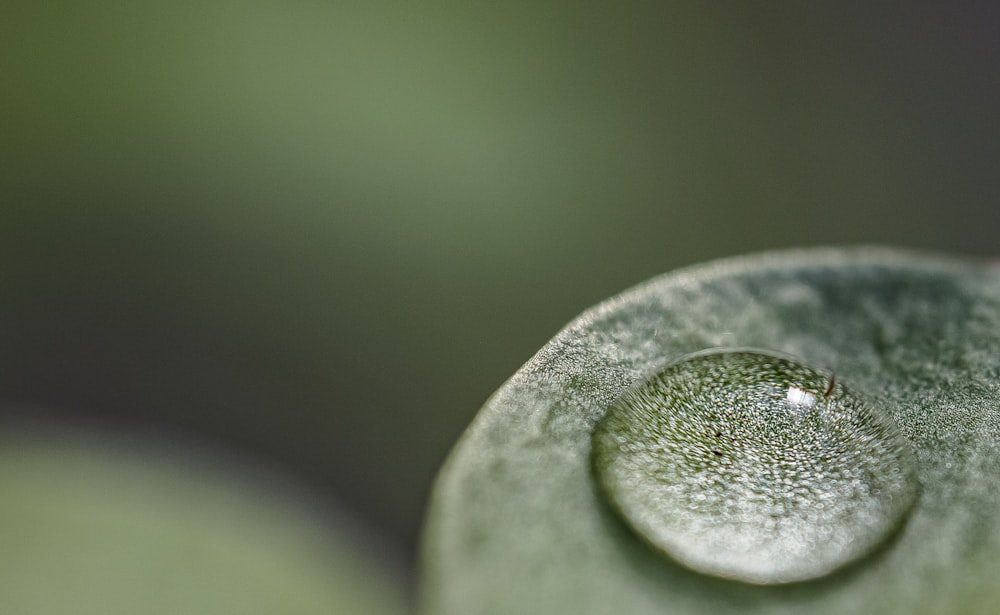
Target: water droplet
x,y
754,467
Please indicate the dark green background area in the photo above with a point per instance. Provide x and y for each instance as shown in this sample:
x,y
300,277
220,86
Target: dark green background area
x,y
323,233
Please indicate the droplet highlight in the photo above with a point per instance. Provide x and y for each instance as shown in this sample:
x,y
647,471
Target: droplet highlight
x,y
752,466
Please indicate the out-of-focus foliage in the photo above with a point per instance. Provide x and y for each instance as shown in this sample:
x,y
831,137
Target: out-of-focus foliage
x,y
115,527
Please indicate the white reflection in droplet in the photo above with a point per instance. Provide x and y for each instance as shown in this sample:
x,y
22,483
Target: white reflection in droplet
x,y
799,398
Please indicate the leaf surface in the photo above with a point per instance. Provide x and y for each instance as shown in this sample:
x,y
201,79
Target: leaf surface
x,y
518,524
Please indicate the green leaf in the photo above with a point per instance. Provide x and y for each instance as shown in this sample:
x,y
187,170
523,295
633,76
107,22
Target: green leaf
x,y
93,525
519,523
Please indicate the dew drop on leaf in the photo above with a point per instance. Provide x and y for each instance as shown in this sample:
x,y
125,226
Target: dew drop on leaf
x,y
752,466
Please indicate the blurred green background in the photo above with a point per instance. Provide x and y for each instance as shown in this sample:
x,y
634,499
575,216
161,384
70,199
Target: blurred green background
x,y
320,234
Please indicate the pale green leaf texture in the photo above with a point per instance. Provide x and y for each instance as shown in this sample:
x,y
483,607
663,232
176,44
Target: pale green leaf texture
x,y
98,526
518,524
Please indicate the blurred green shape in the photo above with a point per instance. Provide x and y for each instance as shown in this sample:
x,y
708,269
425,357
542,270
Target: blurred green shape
x,y
92,525
518,524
